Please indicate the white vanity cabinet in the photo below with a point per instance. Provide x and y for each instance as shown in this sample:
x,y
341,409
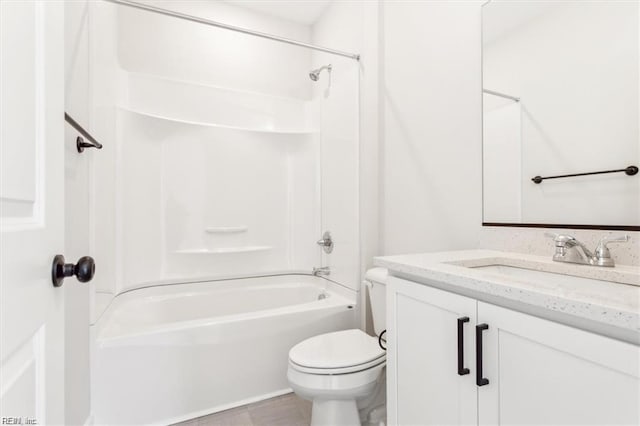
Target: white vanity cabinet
x,y
539,372
424,387
544,373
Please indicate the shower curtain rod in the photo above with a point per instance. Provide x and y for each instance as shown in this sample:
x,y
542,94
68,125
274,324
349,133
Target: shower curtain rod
x,y
192,18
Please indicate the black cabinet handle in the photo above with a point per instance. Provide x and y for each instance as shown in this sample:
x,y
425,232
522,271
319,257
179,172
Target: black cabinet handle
x,y
461,370
480,381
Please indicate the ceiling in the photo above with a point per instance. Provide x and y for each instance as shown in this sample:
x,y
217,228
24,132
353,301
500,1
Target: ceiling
x,y
304,12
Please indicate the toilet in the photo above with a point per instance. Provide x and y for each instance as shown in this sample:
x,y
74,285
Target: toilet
x,y
343,373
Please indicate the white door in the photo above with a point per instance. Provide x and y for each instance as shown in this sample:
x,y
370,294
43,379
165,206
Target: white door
x,y
425,385
31,211
545,373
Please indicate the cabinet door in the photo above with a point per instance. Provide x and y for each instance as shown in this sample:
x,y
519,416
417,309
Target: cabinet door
x,y
544,373
424,387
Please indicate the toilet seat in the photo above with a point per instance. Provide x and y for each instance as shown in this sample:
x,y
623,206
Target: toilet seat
x,y
340,352
334,371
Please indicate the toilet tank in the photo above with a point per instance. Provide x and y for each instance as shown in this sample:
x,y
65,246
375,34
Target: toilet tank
x,y
375,281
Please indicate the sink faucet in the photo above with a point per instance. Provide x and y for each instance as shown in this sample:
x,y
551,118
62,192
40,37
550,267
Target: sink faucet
x,y
570,250
321,271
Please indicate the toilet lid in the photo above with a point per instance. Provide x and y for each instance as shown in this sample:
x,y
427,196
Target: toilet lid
x,y
337,350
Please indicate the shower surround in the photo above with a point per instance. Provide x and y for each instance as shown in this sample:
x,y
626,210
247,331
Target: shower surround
x,y
227,163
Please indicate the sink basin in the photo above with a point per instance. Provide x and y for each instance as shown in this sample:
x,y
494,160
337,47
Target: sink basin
x,y
543,278
561,280
546,272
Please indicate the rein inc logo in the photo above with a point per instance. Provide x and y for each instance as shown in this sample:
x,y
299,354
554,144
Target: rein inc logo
x,y
18,421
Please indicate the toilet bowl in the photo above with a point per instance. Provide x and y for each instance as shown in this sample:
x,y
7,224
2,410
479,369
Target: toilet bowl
x,y
343,373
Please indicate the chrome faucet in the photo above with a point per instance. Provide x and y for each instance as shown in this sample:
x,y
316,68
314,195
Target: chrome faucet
x,y
570,250
325,270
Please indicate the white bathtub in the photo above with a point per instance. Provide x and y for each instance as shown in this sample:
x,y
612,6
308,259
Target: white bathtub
x,y
168,353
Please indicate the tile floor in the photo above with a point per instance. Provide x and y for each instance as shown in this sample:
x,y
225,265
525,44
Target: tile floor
x,y
285,410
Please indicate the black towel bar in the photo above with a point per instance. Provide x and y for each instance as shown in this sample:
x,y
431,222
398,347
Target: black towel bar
x,y
631,170
81,144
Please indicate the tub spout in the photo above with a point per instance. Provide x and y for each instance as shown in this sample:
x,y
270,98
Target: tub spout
x,y
321,271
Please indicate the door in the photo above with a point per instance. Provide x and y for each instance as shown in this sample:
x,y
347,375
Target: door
x,y
427,385
545,373
31,211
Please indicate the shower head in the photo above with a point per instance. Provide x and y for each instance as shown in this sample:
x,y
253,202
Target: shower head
x,y
315,74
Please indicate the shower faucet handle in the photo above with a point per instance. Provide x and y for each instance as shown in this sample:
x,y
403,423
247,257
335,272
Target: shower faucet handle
x,y
326,242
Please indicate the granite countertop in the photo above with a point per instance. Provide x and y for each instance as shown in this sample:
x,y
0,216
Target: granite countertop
x,y
608,302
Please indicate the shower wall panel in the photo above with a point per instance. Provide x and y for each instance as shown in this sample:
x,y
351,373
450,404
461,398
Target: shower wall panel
x,y
220,152
182,50
225,184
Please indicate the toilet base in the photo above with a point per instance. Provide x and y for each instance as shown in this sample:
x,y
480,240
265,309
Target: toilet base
x,y
373,410
351,399
342,412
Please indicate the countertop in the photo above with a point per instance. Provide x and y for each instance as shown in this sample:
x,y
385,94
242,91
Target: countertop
x,y
608,308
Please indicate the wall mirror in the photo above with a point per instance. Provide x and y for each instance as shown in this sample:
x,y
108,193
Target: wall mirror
x,y
561,122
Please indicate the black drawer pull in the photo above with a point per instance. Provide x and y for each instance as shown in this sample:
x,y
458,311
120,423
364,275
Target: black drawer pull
x,y
480,381
461,370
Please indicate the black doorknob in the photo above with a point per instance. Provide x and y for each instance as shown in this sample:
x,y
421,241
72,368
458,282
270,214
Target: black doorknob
x,y
83,270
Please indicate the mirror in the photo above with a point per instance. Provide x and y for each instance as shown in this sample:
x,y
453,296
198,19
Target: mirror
x,y
560,97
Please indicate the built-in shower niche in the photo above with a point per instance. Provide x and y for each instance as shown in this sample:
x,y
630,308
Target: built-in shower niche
x,y
216,185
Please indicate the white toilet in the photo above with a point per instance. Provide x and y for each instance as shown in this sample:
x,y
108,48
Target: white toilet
x,y
343,373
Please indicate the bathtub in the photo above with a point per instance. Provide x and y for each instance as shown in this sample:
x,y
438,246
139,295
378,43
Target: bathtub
x,y
168,353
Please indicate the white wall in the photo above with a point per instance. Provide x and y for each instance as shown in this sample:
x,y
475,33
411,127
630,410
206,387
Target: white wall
x,y
337,97
419,174
104,89
182,50
77,214
431,167
352,26
575,68
370,134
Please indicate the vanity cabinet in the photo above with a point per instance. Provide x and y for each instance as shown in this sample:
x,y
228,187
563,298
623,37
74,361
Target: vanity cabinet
x,y
535,371
422,362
